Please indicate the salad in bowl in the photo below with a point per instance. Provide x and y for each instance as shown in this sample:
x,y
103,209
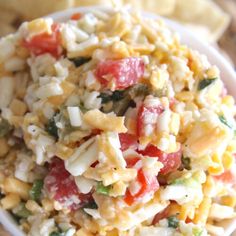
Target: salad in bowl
x,y
111,126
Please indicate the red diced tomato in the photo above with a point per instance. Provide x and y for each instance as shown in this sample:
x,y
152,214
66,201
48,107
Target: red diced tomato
x,y
45,43
61,187
144,113
76,16
131,161
124,72
128,141
148,185
171,161
227,177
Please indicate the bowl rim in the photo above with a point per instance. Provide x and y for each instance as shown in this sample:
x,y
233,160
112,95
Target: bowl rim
x,y
186,37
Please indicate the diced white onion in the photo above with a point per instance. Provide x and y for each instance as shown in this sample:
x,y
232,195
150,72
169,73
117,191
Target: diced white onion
x,y
49,90
85,185
83,158
6,91
74,116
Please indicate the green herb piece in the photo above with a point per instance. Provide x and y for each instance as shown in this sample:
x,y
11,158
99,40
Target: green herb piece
x,y
21,211
173,222
186,162
51,127
205,83
197,232
139,90
79,61
115,96
224,121
103,189
5,128
55,233
91,205
35,191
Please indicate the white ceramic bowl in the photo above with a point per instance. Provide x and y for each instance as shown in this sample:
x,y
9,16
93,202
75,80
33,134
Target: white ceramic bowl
x,y
227,74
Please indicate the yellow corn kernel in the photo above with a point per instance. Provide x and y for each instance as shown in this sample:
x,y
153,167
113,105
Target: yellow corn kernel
x,y
228,201
232,146
184,96
25,226
228,100
18,107
47,204
13,185
131,125
10,201
202,211
33,206
208,186
39,26
213,72
4,147
217,168
106,122
227,160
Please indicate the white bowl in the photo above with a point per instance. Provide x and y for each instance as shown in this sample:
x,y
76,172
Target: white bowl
x,y
228,75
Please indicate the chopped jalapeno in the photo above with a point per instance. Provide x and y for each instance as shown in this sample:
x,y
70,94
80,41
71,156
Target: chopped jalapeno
x,y
205,83
5,127
55,233
224,121
186,162
79,61
103,189
36,189
173,222
21,211
51,127
91,205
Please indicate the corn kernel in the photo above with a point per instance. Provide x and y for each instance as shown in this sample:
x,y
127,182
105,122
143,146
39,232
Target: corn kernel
x,y
10,201
228,201
18,107
174,123
184,96
33,206
47,205
227,160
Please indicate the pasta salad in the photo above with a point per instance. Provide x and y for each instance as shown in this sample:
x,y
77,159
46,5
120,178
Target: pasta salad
x,y
110,126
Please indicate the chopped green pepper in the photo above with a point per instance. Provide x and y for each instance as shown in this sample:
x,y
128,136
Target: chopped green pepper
x,y
205,83
36,190
103,189
186,162
197,232
224,121
5,128
21,211
79,61
173,222
51,127
115,96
